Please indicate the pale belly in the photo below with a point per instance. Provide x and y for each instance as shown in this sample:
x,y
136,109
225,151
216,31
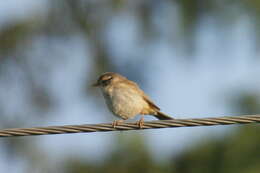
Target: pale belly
x,y
124,103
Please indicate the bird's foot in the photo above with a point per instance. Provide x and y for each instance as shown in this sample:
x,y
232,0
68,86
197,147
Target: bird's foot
x,y
140,123
116,123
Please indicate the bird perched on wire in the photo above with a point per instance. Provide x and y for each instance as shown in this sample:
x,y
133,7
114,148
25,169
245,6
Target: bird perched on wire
x,y
125,99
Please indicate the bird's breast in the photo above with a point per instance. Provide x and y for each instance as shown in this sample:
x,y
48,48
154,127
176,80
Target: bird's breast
x,y
124,101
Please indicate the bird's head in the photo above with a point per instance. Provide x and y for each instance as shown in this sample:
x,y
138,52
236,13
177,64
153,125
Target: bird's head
x,y
108,78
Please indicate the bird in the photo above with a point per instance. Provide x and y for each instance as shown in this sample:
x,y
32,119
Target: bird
x,y
126,100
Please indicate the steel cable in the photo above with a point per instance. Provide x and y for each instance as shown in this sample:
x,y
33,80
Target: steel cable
x,y
87,128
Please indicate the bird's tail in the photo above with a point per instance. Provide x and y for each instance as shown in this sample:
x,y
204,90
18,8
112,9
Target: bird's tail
x,y
162,116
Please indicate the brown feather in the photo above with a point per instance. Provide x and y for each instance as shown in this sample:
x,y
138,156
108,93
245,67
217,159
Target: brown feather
x,y
145,97
162,116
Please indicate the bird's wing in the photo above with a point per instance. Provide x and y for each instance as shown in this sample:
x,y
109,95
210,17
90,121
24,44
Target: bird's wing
x,y
148,100
145,97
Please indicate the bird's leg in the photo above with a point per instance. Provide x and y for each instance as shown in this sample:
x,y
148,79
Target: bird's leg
x,y
140,123
116,123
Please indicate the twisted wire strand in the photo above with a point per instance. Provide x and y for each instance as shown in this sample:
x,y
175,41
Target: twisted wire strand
x,y
87,128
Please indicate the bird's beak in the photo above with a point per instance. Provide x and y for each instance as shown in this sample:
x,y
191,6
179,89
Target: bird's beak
x,y
95,84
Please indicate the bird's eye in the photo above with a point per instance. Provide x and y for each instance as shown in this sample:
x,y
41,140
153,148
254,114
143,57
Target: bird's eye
x,y
106,80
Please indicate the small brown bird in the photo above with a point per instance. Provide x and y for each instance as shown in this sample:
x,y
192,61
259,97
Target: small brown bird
x,y
125,99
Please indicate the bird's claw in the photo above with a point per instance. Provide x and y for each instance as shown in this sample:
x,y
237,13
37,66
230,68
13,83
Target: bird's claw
x,y
140,123
116,123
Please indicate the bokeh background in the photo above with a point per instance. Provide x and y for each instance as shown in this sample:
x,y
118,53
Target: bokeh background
x,y
195,58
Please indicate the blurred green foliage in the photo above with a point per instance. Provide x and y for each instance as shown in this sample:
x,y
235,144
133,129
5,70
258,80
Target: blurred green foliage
x,y
238,152
129,154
